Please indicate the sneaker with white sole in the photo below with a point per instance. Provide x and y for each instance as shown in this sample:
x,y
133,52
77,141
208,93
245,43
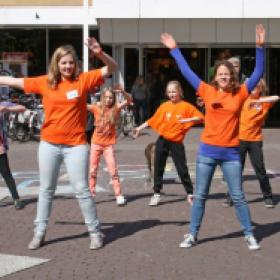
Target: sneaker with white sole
x,y
269,203
96,240
155,200
37,241
120,200
252,243
189,241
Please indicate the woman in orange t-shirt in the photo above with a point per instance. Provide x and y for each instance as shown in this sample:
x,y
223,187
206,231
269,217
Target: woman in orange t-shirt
x,y
106,114
219,145
64,95
172,120
252,117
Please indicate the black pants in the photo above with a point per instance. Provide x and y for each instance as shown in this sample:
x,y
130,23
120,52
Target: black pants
x,y
140,105
254,149
7,175
177,152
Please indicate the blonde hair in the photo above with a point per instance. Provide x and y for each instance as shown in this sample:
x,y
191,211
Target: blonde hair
x,y
178,86
54,76
263,87
113,118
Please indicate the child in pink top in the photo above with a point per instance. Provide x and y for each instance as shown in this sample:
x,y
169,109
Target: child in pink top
x,y
106,114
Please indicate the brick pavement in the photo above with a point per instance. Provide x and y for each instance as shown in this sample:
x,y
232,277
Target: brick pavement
x,y
142,242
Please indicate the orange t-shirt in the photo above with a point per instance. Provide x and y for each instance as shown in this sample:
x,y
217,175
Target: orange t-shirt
x,y
252,119
64,107
165,120
104,132
222,115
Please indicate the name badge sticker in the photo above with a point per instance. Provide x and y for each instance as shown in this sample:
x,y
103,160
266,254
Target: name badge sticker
x,y
72,94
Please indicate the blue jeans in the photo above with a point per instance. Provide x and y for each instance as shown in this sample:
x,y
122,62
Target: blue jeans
x,y
50,157
205,168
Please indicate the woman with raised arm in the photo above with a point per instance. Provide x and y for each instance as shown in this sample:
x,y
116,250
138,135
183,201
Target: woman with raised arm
x,y
64,94
219,145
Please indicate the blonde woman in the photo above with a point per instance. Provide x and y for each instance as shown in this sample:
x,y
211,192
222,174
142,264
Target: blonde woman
x,y
64,94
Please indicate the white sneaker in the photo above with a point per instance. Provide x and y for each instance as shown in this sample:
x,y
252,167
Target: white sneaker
x,y
252,243
189,241
96,241
155,199
120,200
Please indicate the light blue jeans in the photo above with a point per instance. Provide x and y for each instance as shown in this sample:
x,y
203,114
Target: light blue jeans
x,y
50,157
205,168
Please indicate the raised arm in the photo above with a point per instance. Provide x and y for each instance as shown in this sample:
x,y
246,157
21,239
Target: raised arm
x,y
266,99
110,64
128,98
259,65
168,41
11,82
16,108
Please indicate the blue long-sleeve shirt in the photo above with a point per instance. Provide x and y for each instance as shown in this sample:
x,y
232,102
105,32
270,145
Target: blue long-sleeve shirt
x,y
218,152
195,81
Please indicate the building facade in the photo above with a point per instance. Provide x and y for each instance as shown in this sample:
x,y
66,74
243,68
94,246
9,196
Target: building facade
x,y
130,30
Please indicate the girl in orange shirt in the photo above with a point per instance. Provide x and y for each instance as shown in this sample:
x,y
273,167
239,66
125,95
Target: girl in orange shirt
x,y
64,94
106,114
252,117
172,120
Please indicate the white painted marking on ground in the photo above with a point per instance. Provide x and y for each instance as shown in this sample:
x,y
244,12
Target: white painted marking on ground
x,y
11,263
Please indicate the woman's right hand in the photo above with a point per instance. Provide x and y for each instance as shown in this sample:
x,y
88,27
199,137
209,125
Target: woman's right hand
x,y
260,35
168,41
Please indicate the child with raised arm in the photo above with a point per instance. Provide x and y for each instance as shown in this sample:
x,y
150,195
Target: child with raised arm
x,y
223,99
106,114
253,114
172,120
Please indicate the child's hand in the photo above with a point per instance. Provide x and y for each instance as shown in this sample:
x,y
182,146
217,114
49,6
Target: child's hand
x,y
94,46
190,199
135,132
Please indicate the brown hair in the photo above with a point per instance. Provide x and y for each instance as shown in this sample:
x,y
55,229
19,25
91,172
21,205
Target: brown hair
x,y
234,85
263,87
54,76
113,119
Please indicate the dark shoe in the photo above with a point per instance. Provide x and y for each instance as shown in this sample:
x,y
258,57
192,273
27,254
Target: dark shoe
x,y
18,204
37,241
228,202
269,203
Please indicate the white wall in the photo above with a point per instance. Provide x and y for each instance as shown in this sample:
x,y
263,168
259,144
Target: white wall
x,y
45,16
186,8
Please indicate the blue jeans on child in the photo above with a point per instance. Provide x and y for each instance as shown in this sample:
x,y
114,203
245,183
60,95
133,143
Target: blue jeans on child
x,y
205,167
50,157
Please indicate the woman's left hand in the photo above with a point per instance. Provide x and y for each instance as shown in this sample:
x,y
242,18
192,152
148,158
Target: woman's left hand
x,y
93,45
